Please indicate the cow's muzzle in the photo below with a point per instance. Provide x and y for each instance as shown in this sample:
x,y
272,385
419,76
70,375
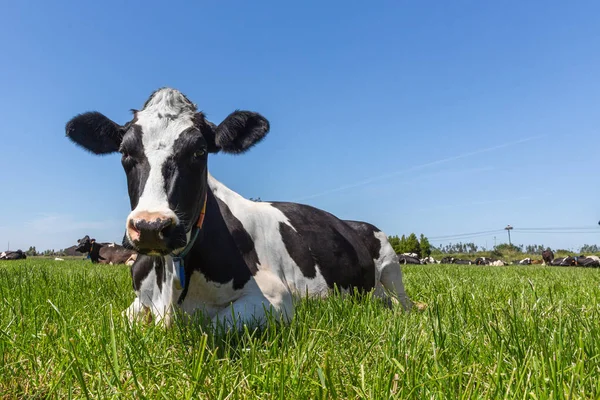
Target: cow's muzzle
x,y
151,232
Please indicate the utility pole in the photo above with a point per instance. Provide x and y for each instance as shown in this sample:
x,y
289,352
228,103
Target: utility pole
x,y
508,229
494,242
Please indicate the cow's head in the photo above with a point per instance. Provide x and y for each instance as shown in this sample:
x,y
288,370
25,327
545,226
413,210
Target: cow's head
x,y
84,244
164,154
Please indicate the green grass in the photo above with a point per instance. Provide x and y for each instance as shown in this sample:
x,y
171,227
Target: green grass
x,y
488,332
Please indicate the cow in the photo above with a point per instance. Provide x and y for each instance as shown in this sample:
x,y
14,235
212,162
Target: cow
x,y
404,259
525,261
547,256
452,260
103,253
564,261
459,261
429,260
482,261
213,251
13,255
414,255
588,262
537,262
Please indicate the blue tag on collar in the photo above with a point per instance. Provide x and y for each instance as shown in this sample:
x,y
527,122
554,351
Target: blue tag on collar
x,y
179,270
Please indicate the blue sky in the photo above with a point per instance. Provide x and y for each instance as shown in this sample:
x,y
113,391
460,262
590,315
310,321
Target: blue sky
x,y
439,118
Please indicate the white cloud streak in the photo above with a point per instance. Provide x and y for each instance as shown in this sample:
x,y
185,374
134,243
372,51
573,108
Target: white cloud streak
x,y
419,167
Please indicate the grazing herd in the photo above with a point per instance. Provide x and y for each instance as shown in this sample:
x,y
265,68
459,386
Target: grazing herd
x,y
547,259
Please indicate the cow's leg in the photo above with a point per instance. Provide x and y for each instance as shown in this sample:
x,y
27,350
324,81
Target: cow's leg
x,y
391,279
266,296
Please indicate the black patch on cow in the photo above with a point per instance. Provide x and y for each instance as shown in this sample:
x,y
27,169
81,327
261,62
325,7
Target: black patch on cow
x,y
298,250
140,270
367,233
225,251
339,250
135,163
185,177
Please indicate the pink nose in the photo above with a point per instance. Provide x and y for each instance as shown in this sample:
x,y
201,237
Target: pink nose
x,y
149,229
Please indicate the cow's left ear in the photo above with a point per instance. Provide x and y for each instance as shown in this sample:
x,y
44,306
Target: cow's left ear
x,y
95,132
240,131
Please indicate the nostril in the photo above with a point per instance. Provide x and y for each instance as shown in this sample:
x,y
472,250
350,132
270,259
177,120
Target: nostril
x,y
167,227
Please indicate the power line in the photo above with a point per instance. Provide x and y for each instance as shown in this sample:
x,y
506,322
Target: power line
x,y
543,230
558,228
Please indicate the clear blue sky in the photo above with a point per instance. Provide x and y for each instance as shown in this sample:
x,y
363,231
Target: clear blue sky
x,y
438,117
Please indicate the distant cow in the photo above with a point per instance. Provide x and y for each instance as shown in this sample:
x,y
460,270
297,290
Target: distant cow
x,y
588,262
525,261
12,255
429,260
564,262
404,259
548,256
452,260
459,261
538,262
103,253
484,261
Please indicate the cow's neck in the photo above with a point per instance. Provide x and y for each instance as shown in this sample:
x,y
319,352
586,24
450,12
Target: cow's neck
x,y
218,253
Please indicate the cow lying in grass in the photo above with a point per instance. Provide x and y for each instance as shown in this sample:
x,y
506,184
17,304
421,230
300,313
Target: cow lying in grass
x,y
213,250
103,253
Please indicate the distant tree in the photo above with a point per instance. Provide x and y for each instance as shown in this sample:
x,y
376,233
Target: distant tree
x,y
412,245
257,199
589,248
424,246
395,242
505,247
534,249
31,251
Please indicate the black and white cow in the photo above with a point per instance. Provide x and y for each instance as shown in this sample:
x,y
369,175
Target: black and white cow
x,y
103,253
213,250
13,255
525,261
404,259
588,262
564,261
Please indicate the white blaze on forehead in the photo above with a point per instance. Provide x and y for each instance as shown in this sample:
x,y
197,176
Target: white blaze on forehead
x,y
165,116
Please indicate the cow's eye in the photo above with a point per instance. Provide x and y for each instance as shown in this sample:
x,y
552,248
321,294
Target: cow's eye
x,y
199,153
127,159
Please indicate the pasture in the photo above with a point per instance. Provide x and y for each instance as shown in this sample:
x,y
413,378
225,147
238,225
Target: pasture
x,y
488,332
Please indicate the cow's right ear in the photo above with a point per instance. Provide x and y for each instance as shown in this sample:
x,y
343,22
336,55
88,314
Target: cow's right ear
x,y
95,132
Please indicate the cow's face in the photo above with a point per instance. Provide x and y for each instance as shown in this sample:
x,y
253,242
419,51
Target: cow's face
x,y
164,154
84,244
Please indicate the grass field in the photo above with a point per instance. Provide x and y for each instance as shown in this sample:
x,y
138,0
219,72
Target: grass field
x,y
488,332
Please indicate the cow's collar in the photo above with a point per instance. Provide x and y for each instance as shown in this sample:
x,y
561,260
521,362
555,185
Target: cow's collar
x,y
178,259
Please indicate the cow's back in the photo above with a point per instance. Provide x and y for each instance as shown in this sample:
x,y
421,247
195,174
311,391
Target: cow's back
x,y
318,239
115,254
